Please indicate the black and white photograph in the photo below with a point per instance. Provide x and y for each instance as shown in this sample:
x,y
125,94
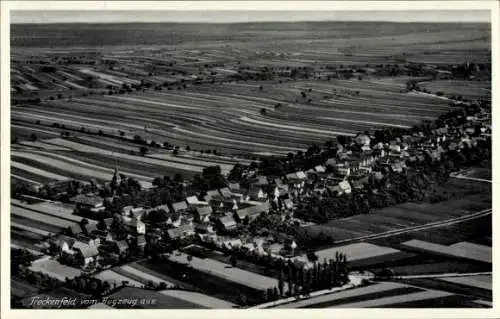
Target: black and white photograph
x,y
248,158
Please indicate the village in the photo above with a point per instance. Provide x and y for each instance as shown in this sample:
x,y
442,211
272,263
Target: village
x,y
251,216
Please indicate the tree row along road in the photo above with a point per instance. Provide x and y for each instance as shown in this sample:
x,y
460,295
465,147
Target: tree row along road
x,y
420,227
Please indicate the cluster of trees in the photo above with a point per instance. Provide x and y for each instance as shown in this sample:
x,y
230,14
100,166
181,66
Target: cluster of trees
x,y
89,285
322,275
20,258
170,192
210,178
127,185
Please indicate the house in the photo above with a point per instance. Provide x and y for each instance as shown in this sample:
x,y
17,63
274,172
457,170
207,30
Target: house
x,y
320,168
88,202
192,200
107,222
225,192
85,253
335,190
234,187
344,171
179,207
397,167
256,193
134,225
204,227
362,139
174,219
63,243
89,228
227,222
141,242
275,193
203,213
75,229
274,249
213,194
261,181
357,185
180,232
378,175
231,243
288,203
345,187
249,247
331,161
251,212
296,178
302,262
131,211
158,208
120,247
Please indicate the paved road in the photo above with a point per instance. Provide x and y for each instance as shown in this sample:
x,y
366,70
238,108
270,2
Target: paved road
x,y
446,275
459,176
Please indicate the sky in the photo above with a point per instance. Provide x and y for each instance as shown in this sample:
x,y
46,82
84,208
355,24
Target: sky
x,y
26,16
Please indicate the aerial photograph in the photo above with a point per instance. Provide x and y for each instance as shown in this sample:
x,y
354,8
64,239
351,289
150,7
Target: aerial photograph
x,y
250,159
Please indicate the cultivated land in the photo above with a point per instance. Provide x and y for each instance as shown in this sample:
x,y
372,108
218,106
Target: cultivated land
x,y
170,100
224,115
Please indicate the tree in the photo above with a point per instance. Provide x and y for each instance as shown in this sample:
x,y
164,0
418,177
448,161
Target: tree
x,y
33,137
263,111
233,260
143,150
261,88
281,283
312,257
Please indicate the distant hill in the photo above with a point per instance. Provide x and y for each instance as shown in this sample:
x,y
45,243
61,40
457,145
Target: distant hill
x,y
123,34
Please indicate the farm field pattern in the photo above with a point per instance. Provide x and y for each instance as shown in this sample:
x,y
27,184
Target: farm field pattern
x,y
224,116
83,128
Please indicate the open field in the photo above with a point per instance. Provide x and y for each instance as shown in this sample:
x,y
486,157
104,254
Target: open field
x,y
339,297
482,254
362,254
483,282
114,278
23,213
469,197
468,89
142,276
197,298
64,211
227,272
157,300
21,289
54,269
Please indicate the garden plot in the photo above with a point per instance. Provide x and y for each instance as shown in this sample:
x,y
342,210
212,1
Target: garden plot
x,y
54,269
